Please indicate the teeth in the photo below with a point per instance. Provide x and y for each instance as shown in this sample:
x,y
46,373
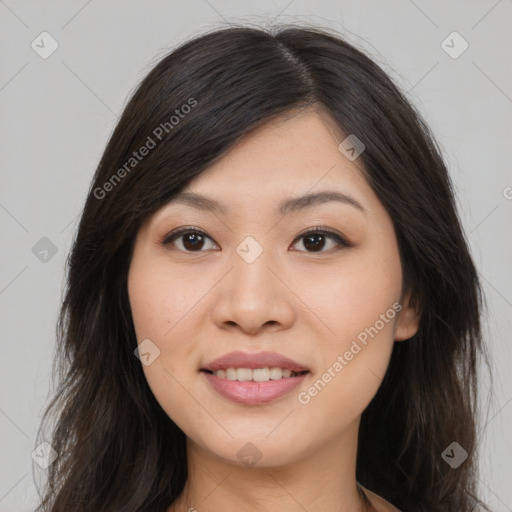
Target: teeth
x,y
257,375
275,373
260,374
243,374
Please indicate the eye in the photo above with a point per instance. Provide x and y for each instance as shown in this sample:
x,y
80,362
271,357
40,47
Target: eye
x,y
315,240
191,239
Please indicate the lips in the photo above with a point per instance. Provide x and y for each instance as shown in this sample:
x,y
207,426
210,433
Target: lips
x,y
254,361
288,374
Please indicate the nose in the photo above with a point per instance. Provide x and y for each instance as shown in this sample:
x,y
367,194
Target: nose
x,y
254,297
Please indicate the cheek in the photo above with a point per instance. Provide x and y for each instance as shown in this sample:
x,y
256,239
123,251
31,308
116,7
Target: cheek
x,y
358,307
164,313
354,295
161,299
354,360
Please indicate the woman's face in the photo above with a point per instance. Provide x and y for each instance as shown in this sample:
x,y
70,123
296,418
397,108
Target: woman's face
x,y
249,277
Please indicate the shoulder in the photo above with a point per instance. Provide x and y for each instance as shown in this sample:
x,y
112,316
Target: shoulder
x,y
380,504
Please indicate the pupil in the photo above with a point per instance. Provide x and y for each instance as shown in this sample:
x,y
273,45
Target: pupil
x,y
189,243
317,246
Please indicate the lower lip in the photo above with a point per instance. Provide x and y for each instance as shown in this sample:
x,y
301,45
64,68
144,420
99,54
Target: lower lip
x,y
253,393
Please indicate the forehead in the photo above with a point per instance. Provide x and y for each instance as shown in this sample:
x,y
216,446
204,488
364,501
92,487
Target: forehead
x,y
295,155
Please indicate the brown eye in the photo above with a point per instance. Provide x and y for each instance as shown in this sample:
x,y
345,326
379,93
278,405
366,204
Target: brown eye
x,y
187,239
315,240
190,239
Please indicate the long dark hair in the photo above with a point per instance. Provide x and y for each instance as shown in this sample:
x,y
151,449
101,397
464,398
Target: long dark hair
x,y
117,449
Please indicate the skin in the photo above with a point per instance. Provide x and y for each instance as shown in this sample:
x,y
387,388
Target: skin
x,y
198,304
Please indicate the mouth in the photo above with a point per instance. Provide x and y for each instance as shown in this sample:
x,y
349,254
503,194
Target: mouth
x,y
254,379
255,375
241,362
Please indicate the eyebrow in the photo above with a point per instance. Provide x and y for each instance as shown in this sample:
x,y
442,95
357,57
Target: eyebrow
x,y
292,204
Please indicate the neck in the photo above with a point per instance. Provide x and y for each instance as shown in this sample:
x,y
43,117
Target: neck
x,y
323,479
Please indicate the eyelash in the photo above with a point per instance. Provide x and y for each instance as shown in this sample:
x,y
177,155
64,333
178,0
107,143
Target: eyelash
x,y
342,242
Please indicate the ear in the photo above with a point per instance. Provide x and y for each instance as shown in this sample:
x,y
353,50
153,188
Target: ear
x,y
408,320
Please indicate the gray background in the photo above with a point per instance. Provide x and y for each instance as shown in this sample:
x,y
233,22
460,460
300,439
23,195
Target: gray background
x,y
57,113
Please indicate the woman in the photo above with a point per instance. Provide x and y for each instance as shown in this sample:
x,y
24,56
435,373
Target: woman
x,y
271,303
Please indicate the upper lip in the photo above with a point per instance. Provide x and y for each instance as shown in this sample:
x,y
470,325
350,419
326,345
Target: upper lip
x,y
252,361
